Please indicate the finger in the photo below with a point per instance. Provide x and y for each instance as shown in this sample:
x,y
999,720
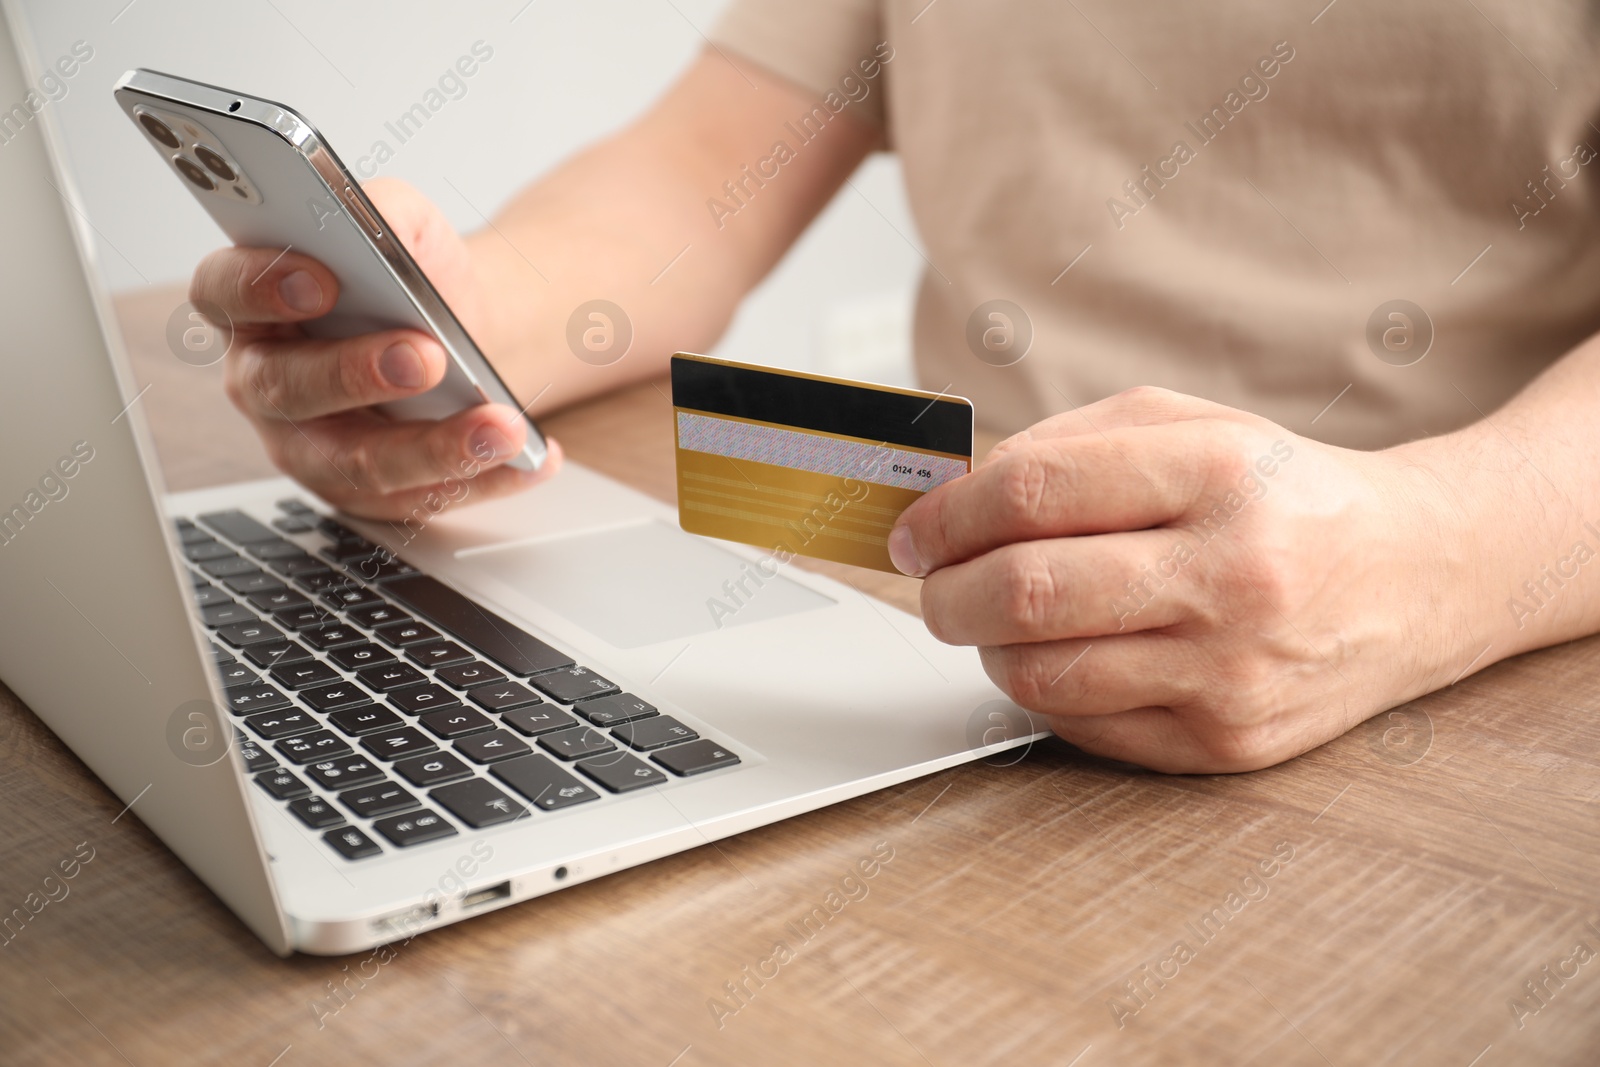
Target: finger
x,y
1144,405
1156,738
414,508
264,285
1056,589
1128,479
359,457
1095,676
301,379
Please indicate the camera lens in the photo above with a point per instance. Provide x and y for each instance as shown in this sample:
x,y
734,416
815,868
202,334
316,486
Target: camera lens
x,y
159,130
189,169
214,163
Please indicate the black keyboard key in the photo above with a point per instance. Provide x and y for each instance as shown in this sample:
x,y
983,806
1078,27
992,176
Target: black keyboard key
x,y
275,724
197,580
318,579
423,698
256,582
432,770
656,732
503,696
306,617
277,548
544,719
282,784
241,634
281,600
492,747
468,675
572,684
456,722
293,505
296,566
383,798
350,548
229,566
236,526
207,595
544,783
236,673
356,657
374,615
304,675
398,744
293,524
401,634
272,653
438,654
380,569
336,530
345,772
336,697
391,676
253,697
414,828
312,747
316,812
695,757
324,638
227,614
620,772
368,719
351,843
498,640
203,551
191,534
221,656
477,803
256,758
576,743
344,597
614,709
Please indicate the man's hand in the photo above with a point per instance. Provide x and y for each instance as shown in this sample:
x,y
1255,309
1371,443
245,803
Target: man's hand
x,y
1187,586
312,401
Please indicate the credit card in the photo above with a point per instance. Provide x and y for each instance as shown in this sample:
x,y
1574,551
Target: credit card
x,y
804,465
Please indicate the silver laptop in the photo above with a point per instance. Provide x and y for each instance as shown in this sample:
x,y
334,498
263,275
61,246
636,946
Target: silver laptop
x,y
350,736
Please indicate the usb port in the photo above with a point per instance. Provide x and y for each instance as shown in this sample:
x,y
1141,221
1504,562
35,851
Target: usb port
x,y
485,895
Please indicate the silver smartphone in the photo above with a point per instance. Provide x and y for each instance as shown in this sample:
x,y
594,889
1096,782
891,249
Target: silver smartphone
x,y
270,180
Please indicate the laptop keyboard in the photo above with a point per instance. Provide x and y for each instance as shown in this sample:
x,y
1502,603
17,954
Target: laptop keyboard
x,y
386,710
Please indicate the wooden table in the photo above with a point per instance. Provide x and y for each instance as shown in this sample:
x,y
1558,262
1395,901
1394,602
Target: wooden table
x,y
1423,868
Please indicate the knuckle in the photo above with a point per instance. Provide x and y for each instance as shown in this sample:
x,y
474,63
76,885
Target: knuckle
x,y
359,462
1028,589
1021,674
1025,483
353,371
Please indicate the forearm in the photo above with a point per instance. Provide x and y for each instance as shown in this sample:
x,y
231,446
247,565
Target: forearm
x,y
627,221
1513,529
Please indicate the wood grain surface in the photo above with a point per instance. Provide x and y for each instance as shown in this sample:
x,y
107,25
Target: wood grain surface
x,y
1385,899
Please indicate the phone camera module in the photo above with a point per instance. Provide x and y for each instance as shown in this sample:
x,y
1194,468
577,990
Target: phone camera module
x,y
191,170
215,163
159,130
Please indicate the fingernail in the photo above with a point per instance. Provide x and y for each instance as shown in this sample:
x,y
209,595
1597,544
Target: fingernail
x,y
401,366
903,553
490,442
301,292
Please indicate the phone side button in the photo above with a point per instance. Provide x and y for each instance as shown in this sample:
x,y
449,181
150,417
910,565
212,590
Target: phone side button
x,y
362,215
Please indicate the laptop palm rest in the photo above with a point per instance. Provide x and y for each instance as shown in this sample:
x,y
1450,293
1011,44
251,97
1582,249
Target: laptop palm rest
x,y
644,583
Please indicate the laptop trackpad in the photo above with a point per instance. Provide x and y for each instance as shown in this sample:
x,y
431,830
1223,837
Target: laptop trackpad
x,y
645,583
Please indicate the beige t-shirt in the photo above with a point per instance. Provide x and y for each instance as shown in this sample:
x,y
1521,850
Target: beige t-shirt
x,y
1238,188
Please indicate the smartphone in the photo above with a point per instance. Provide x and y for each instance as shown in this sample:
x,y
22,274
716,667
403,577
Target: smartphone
x,y
270,180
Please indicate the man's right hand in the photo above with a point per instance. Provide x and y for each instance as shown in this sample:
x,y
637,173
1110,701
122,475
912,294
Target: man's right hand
x,y
312,400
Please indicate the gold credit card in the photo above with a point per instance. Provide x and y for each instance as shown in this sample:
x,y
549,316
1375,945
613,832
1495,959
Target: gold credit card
x,y
803,465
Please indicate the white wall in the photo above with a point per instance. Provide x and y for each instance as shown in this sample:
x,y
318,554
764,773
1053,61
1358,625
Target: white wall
x,y
564,72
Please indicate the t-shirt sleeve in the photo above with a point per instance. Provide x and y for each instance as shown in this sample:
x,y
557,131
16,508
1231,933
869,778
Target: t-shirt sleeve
x,y
815,44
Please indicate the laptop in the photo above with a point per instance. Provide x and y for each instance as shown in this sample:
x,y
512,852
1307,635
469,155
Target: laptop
x,y
353,733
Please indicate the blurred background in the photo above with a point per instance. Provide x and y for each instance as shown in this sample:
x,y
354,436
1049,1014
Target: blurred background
x,y
563,74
